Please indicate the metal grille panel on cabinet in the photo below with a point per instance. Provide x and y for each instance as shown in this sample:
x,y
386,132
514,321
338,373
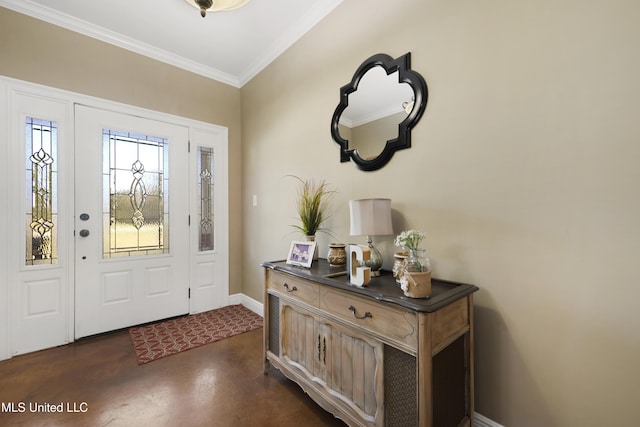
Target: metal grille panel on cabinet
x,y
274,325
401,406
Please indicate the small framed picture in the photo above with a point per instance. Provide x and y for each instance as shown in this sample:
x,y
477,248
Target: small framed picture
x,y
301,253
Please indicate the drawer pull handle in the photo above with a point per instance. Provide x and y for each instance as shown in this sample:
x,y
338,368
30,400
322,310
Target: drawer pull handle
x,y
324,350
353,310
286,286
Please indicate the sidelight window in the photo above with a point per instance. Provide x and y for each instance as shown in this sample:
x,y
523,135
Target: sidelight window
x,y
41,215
206,192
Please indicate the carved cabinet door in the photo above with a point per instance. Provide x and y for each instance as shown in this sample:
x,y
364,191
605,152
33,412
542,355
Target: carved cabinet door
x,y
355,375
342,363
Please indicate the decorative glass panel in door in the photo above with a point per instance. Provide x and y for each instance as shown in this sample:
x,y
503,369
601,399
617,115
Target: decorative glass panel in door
x,y
41,214
206,175
135,185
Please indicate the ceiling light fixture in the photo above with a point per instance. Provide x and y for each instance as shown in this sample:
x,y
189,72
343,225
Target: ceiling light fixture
x,y
216,5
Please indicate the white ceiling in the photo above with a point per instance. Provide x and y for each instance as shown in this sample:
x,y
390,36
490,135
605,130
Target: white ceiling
x,y
231,47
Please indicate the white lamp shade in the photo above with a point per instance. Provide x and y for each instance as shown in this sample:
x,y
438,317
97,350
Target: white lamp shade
x,y
370,217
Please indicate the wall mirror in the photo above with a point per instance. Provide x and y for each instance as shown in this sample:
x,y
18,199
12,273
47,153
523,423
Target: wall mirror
x,y
378,108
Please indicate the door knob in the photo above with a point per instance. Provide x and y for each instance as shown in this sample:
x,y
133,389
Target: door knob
x,y
84,233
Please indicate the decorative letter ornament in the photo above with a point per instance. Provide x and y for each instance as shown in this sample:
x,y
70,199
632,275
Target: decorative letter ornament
x,y
358,254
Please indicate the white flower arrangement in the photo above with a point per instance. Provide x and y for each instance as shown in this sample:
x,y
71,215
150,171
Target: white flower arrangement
x,y
410,239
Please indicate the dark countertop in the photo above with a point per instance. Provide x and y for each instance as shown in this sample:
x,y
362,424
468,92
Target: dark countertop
x,y
383,288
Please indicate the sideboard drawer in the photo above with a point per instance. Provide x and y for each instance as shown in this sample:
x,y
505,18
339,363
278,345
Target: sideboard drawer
x,y
394,324
292,287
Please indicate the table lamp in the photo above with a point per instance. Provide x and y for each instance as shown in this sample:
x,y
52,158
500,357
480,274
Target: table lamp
x,y
371,217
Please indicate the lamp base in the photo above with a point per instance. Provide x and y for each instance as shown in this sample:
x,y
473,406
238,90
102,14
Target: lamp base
x,y
375,260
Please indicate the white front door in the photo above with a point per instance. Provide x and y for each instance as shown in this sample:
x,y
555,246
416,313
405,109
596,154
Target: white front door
x,y
131,220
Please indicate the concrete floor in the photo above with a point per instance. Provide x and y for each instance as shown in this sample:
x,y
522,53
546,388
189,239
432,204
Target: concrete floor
x,y
97,382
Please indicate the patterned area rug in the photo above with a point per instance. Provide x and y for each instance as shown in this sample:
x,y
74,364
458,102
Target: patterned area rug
x,y
158,340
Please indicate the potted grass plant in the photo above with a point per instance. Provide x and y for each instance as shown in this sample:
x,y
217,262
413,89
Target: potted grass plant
x,y
312,206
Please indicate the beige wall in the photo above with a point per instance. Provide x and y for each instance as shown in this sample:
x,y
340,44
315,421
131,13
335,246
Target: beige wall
x,y
34,51
523,171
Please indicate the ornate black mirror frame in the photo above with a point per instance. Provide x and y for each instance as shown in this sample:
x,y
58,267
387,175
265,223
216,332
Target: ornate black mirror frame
x,y
405,75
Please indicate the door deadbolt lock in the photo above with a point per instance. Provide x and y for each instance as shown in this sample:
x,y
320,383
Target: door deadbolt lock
x,y
84,217
84,233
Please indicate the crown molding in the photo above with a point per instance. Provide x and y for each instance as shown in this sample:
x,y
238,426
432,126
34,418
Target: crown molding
x,y
43,13
54,17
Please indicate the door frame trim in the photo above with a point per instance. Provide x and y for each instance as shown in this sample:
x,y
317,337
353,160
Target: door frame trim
x,y
5,347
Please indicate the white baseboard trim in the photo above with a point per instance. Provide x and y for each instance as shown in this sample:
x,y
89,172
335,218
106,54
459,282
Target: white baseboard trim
x,y
482,421
250,303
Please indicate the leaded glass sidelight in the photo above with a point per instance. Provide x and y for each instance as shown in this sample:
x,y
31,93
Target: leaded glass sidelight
x,y
41,214
135,194
205,191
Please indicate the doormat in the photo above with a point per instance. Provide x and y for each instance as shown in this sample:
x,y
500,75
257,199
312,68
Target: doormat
x,y
162,339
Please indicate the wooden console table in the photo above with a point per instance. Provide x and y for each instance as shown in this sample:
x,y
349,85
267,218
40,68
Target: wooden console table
x,y
372,356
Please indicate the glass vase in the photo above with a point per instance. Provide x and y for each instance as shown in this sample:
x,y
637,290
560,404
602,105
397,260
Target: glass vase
x,y
417,261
